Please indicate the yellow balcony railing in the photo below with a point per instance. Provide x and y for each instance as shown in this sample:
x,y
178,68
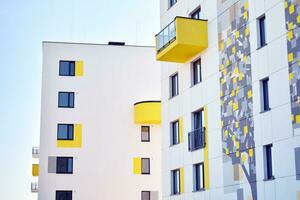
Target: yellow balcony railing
x,y
181,40
35,169
147,112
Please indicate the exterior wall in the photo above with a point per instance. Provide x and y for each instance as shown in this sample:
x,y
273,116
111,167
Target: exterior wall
x,y
235,153
113,79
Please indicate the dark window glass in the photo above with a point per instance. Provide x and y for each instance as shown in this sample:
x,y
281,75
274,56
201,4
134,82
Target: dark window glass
x,y
196,137
172,2
198,120
145,134
261,31
174,85
268,162
145,165
175,133
65,131
196,72
198,177
196,14
64,165
145,195
175,182
66,68
265,94
63,195
66,99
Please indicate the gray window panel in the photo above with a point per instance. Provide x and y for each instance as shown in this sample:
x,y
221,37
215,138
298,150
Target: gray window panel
x,y
297,163
145,134
51,164
175,181
146,195
145,166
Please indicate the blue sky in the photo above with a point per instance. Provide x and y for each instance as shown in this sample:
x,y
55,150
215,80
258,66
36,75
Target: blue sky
x,y
24,24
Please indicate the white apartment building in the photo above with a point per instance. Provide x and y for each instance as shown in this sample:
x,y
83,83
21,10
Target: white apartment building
x,y
230,99
100,123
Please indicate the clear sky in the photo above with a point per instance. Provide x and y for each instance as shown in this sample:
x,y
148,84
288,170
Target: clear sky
x,y
24,24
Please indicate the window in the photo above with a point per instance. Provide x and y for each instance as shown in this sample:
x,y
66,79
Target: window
x,y
63,195
196,14
268,162
65,131
175,181
145,195
197,137
261,27
172,3
145,134
265,95
174,85
175,133
64,165
67,68
66,99
145,165
196,72
198,177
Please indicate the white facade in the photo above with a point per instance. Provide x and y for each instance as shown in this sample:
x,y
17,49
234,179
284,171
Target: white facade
x,y
114,78
271,127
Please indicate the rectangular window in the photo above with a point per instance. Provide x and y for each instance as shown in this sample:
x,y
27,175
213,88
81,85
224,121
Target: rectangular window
x,y
174,91
197,136
268,168
261,27
66,99
172,3
175,182
145,165
66,68
198,119
265,95
196,72
145,134
196,14
175,133
63,195
65,131
198,177
64,165
145,195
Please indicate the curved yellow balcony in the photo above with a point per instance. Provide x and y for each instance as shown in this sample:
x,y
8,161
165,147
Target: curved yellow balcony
x,y
181,40
147,112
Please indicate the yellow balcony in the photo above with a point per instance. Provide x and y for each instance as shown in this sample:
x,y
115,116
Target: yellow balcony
x,y
181,40
147,112
35,169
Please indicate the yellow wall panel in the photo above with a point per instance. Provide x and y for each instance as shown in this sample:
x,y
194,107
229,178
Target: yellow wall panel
x,y
181,130
137,165
79,68
76,142
181,171
148,112
35,170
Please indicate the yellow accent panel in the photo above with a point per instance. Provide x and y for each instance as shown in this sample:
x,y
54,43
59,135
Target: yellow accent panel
x,y
181,130
79,68
35,169
297,119
181,171
137,165
206,158
191,39
147,113
76,142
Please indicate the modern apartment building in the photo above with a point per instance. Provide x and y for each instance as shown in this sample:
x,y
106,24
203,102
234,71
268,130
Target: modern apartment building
x,y
100,123
230,99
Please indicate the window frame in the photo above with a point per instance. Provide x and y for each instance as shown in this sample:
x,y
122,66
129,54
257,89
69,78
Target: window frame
x,y
175,182
145,173
63,191
145,191
264,93
268,162
171,3
261,31
70,72
68,133
197,11
197,182
149,139
172,125
174,85
64,172
69,97
196,70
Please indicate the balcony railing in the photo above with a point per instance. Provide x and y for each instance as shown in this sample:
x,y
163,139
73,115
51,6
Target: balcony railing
x,y
196,139
34,187
35,152
166,36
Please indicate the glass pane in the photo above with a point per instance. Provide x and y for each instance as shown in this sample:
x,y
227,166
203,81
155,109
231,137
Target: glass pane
x,y
72,68
71,100
145,195
145,166
62,131
63,99
70,132
70,165
64,68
